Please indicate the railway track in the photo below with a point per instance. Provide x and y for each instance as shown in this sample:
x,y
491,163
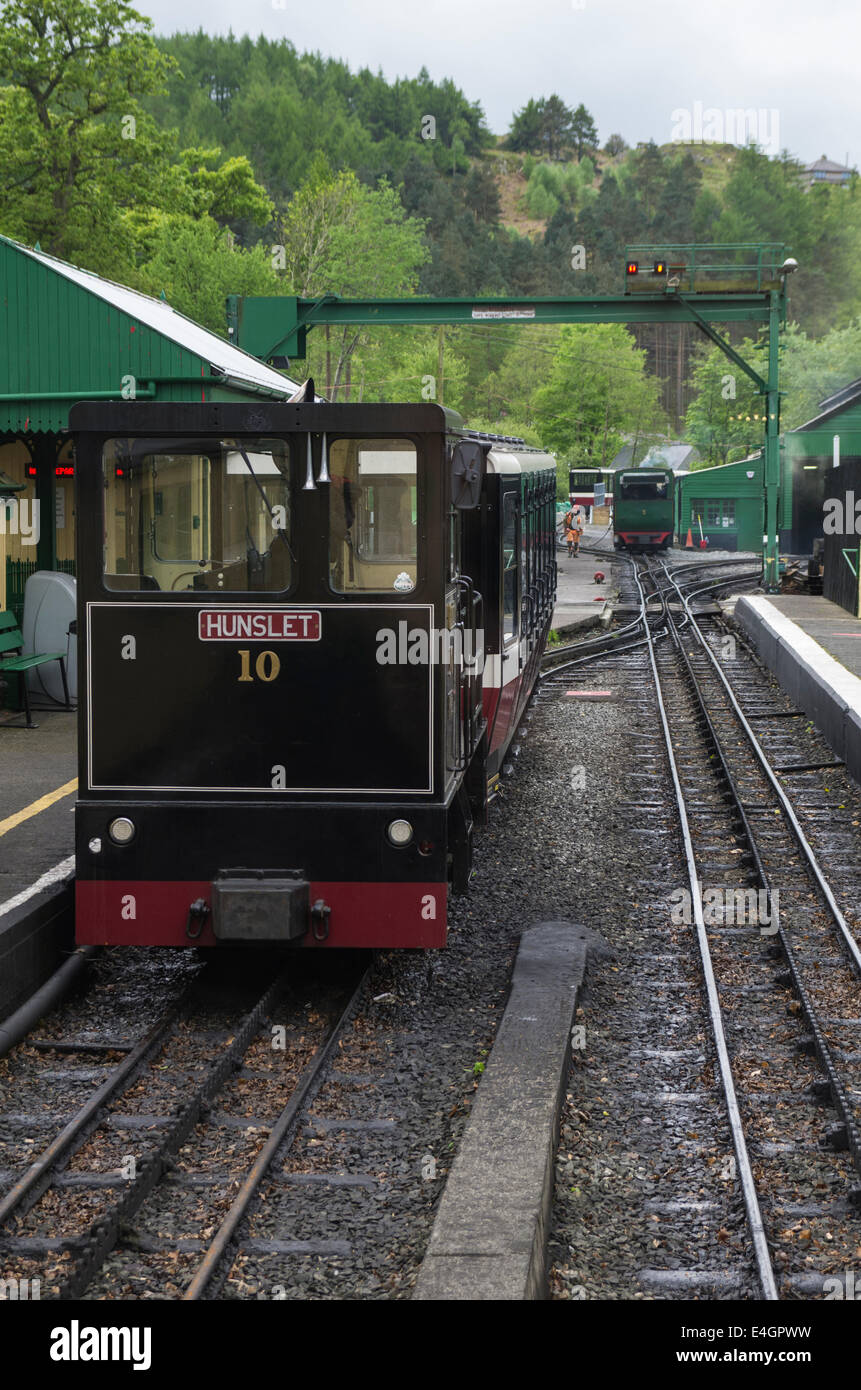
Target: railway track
x,y
181,1130
751,991
644,601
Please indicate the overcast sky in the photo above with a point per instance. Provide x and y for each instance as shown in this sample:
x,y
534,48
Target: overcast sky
x,y
645,70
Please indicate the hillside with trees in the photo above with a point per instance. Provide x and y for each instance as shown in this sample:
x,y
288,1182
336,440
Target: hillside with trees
x,y
198,166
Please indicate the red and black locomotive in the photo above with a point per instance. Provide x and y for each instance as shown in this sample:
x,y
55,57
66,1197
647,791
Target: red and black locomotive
x,y
308,633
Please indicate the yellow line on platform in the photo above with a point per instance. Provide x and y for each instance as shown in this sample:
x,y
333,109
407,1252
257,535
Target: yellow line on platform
x,y
36,806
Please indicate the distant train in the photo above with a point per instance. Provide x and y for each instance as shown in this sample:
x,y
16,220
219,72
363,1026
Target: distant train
x,y
644,509
309,632
582,483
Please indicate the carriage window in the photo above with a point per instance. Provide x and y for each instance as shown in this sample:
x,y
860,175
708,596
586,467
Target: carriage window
x,y
202,514
509,566
373,515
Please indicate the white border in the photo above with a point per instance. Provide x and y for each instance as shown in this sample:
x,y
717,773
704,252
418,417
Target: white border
x,y
256,791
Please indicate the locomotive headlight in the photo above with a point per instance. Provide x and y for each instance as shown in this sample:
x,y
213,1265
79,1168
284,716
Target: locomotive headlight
x,y
121,830
400,832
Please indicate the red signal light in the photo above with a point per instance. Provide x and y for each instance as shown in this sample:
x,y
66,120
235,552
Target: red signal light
x,y
632,267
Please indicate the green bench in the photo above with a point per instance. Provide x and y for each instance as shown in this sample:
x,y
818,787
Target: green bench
x,y
11,640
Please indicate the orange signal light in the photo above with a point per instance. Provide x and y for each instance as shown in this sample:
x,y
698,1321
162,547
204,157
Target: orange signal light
x,y
660,268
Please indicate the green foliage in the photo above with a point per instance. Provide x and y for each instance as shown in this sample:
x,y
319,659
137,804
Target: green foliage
x,y
765,200
596,392
76,143
554,186
584,131
507,424
615,145
507,367
539,200
549,127
526,127
262,98
341,237
397,364
725,419
197,265
225,191
720,420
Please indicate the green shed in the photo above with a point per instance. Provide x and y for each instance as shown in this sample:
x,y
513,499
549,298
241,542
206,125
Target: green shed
x,y
808,455
68,335
729,497
727,500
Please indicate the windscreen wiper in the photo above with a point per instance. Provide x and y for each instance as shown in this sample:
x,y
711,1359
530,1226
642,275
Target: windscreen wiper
x,y
257,483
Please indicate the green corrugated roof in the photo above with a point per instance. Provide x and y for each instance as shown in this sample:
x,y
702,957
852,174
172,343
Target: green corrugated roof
x,y
69,335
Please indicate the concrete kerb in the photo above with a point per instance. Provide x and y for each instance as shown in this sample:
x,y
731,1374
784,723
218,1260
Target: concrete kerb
x,y
579,625
34,939
752,624
825,706
489,1239
852,742
810,676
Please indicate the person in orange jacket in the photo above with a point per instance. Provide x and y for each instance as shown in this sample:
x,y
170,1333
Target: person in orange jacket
x,y
573,531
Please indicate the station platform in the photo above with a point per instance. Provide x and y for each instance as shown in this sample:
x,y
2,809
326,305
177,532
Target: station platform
x,y
814,649
38,770
578,598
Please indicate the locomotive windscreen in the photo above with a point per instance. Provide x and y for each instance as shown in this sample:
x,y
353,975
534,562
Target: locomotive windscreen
x,y
373,515
640,489
197,514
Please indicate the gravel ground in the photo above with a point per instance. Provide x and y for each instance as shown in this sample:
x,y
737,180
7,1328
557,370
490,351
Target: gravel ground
x,y
640,1130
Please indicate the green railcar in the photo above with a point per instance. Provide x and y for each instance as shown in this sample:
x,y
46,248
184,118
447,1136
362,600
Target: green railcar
x,y
644,500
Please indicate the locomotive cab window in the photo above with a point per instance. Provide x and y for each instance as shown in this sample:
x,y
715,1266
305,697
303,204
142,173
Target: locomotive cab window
x,y
640,489
203,514
373,515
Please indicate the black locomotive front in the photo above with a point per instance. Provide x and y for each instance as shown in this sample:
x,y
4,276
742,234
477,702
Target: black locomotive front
x,y
277,716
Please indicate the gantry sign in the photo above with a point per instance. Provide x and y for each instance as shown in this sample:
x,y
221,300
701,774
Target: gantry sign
x,y
703,285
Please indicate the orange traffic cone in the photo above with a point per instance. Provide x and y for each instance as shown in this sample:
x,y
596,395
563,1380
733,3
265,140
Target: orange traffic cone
x,y
689,543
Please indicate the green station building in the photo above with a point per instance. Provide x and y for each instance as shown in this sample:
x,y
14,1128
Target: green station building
x,y
729,499
724,505
68,335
